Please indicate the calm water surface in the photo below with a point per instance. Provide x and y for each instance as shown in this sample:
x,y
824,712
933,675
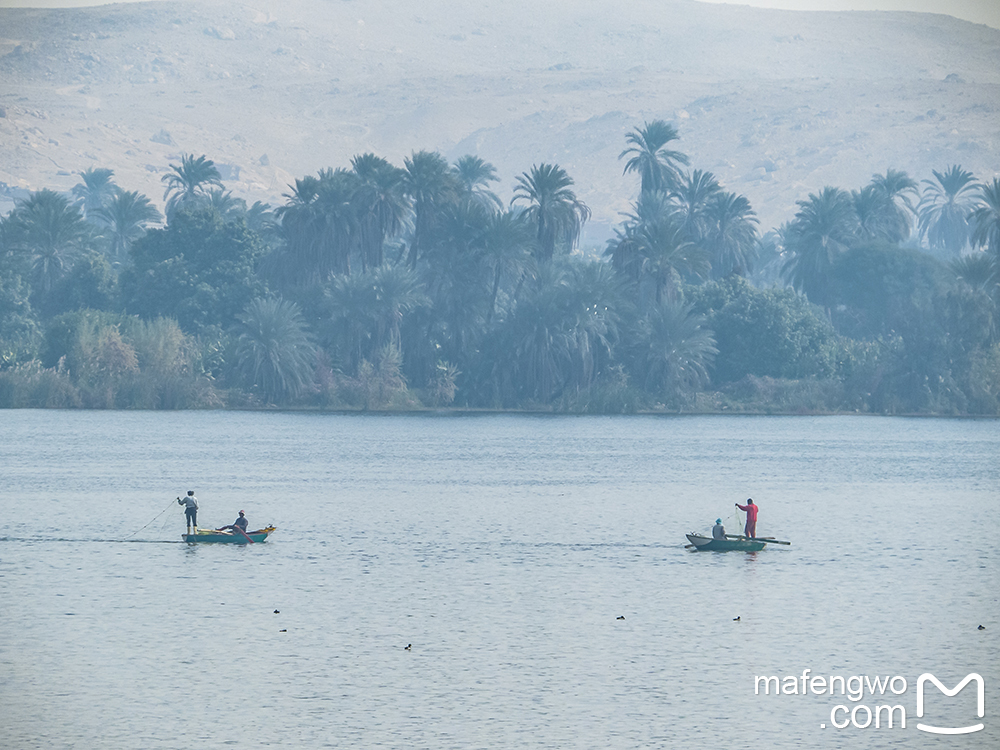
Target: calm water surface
x,y
505,549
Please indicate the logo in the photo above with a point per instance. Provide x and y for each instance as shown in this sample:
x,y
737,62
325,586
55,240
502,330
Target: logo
x,y
885,709
980,702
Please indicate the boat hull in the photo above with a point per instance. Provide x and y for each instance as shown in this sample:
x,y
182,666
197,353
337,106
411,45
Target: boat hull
x,y
227,537
707,544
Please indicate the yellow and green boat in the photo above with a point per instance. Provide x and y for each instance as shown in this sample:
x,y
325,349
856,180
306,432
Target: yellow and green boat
x,y
229,536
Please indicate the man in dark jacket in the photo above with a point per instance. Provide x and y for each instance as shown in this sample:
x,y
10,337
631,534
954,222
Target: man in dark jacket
x,y
240,523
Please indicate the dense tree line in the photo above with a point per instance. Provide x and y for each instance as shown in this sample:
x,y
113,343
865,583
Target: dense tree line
x,y
377,286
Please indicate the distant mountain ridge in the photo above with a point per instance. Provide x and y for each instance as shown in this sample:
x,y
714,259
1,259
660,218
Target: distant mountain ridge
x,y
776,103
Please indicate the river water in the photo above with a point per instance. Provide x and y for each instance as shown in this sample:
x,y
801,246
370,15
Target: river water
x,y
506,549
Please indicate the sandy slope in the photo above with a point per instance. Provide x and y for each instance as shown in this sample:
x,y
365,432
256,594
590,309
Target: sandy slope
x,y
777,104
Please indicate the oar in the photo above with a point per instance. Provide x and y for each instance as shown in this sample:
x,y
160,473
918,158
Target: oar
x,y
244,534
772,540
768,539
237,528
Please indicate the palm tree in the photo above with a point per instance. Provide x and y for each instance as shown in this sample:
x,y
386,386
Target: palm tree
x,y
432,185
95,191
694,194
350,304
656,165
458,282
300,223
50,231
823,228
655,248
262,220
553,208
877,216
367,310
668,254
399,293
676,352
227,204
275,351
770,258
985,219
541,337
624,249
382,206
189,180
475,175
127,217
979,270
452,267
731,240
897,187
338,220
595,299
944,209
507,246
320,225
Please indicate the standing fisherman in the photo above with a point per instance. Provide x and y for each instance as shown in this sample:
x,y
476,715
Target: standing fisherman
x,y
190,510
751,510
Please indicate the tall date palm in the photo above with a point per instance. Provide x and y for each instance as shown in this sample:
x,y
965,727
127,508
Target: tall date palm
x,y
319,224
382,206
475,175
824,226
897,187
432,186
127,217
676,351
944,209
554,209
275,351
656,165
695,194
731,239
49,231
95,190
985,219
188,180
506,249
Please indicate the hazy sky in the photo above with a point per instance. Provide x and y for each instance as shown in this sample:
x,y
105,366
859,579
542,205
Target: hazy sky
x,y
977,11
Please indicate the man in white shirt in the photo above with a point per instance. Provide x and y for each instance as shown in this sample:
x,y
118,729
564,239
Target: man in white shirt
x,y
190,510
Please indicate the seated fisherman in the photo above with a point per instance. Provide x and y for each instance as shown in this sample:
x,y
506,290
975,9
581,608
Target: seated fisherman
x,y
240,523
718,531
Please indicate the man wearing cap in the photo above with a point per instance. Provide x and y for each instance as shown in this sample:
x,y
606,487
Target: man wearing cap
x,y
718,531
751,511
240,523
190,511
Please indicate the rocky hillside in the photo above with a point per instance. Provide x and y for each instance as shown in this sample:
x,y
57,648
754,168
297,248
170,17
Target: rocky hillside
x,y
776,103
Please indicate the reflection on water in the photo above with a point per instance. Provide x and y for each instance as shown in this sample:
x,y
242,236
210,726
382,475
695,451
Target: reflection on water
x,y
504,549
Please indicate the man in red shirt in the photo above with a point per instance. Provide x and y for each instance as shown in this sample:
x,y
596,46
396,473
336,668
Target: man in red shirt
x,y
751,510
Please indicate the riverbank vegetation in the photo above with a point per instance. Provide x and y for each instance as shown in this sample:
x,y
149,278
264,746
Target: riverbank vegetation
x,y
383,287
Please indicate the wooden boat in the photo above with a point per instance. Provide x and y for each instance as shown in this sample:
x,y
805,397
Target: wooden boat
x,y
229,536
729,544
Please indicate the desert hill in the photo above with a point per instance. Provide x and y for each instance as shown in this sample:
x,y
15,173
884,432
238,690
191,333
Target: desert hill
x,y
776,103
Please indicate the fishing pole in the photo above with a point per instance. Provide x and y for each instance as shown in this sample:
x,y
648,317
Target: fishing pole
x,y
125,539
